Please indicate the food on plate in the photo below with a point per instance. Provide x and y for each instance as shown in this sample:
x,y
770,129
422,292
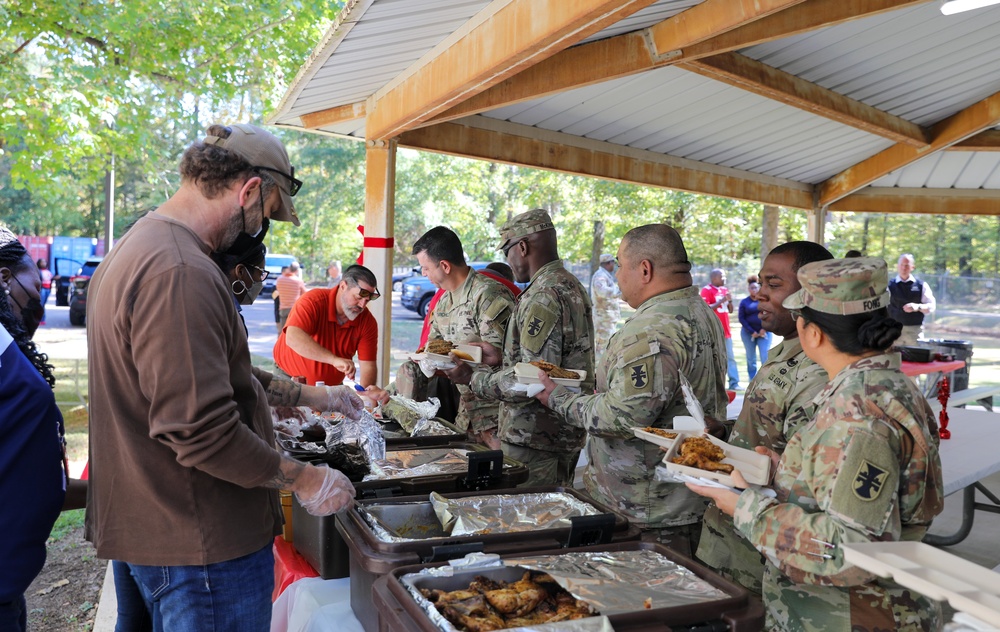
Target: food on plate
x,y
439,346
488,604
660,432
555,371
701,453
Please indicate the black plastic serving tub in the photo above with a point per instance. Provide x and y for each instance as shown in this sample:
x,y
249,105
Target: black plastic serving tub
x,y
317,540
414,517
738,611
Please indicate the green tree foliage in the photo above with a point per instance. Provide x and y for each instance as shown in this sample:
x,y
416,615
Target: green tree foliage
x,y
136,80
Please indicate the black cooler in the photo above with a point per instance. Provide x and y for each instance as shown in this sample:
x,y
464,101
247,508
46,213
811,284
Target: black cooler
x,y
317,540
414,517
734,609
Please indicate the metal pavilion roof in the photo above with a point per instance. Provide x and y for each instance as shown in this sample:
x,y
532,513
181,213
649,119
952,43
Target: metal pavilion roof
x,y
853,100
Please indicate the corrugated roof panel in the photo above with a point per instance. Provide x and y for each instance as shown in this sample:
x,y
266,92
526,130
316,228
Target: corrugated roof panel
x,y
653,14
387,39
683,114
948,169
915,63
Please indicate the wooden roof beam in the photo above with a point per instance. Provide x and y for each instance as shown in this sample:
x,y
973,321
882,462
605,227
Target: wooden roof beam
x,y
501,141
515,35
944,134
767,81
925,201
710,19
801,18
632,53
332,116
983,141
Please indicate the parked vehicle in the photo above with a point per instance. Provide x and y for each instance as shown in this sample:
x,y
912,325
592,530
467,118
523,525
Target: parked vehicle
x,y
273,264
397,279
78,291
63,270
417,291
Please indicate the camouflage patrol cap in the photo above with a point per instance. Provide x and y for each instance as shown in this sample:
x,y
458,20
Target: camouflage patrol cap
x,y
606,258
842,286
526,223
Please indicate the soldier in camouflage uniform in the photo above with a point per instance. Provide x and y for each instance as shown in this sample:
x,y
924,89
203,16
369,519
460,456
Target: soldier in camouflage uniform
x,y
777,402
865,469
673,333
474,308
552,322
605,294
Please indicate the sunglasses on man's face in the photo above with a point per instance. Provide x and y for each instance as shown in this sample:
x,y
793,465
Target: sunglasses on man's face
x,y
365,294
509,246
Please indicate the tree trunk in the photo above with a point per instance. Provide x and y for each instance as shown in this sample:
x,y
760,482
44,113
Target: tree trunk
x,y
864,234
595,255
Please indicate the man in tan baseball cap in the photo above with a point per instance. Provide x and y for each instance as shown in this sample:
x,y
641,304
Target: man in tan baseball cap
x,y
184,473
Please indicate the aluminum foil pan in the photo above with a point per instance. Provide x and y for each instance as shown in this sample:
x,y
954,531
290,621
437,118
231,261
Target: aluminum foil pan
x,y
508,513
431,428
612,582
420,462
484,563
473,515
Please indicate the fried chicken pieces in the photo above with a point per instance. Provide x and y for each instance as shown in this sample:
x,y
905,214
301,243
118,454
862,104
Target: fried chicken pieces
x,y
439,346
554,371
701,453
497,605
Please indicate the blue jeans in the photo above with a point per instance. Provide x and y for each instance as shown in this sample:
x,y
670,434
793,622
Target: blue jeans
x,y
734,373
14,616
753,345
228,596
45,299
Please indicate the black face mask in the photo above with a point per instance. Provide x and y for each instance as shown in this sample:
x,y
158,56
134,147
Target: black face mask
x,y
31,314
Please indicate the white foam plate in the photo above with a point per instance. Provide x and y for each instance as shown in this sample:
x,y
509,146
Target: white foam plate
x,y
657,439
528,374
968,587
475,352
754,467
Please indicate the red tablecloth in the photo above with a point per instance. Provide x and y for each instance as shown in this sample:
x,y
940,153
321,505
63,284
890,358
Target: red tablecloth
x,y
922,368
289,566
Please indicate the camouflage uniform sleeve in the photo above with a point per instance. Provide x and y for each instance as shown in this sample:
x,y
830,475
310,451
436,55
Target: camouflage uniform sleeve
x,y
809,381
639,386
540,338
603,287
850,473
496,309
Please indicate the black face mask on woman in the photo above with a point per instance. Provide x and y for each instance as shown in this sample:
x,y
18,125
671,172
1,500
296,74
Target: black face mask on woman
x,y
31,314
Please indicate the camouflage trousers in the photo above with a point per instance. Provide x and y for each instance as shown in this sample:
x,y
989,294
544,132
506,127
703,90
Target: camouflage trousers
x,y
879,606
604,328
723,549
544,468
683,538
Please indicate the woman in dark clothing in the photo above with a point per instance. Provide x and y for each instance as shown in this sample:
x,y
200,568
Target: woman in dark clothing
x,y
754,337
33,468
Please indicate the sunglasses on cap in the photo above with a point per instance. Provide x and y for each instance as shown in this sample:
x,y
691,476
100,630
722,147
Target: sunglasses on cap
x,y
294,184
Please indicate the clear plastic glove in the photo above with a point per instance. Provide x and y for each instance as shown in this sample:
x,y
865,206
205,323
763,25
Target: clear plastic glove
x,y
344,400
335,494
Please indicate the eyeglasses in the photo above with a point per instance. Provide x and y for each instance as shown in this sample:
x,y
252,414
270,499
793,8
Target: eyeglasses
x,y
365,294
263,273
294,184
796,314
509,246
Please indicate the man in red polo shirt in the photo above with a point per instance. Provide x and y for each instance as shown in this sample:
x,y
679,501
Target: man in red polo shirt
x,y
327,327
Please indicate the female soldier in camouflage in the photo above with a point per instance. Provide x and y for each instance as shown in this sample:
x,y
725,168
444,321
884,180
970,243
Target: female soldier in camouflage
x,y
865,469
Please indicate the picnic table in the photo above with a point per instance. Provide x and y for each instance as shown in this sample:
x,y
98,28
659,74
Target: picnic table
x,y
969,456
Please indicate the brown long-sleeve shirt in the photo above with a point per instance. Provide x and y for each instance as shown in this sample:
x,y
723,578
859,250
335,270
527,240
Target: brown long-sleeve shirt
x,y
180,431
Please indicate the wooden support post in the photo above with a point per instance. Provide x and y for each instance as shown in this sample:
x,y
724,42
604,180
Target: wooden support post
x,y
816,225
769,231
380,190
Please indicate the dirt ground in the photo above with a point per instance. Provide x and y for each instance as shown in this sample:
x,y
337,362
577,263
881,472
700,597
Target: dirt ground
x,y
64,597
